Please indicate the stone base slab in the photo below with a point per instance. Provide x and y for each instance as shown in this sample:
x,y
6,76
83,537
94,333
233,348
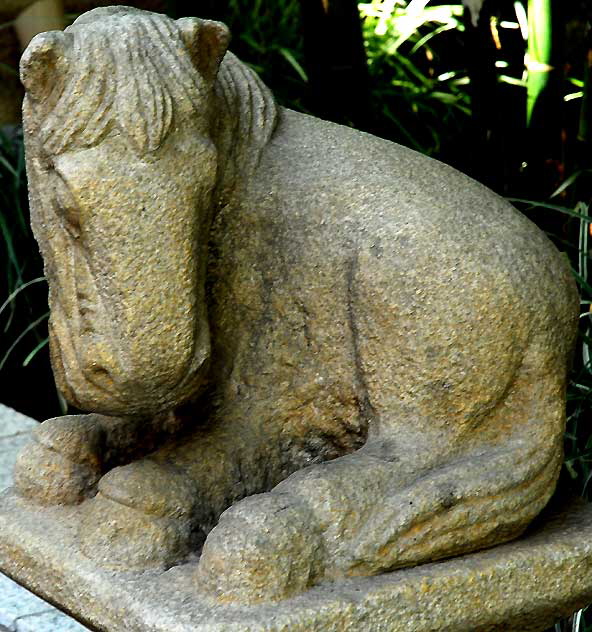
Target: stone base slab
x,y
524,585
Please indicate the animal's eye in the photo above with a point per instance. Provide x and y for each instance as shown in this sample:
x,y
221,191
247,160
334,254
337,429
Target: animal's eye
x,y
67,208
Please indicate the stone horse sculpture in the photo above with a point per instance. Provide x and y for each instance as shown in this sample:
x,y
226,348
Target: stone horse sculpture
x,y
322,353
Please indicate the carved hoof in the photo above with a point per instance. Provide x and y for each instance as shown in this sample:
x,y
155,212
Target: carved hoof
x,y
265,548
142,517
62,465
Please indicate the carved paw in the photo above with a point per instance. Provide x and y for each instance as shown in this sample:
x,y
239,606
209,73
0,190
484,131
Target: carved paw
x,y
264,548
141,517
62,464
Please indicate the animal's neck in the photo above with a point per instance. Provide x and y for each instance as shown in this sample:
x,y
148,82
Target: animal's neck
x,y
245,117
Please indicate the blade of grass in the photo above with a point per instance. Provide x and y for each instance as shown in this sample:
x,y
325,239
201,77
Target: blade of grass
x,y
33,353
583,272
29,328
582,282
539,51
428,36
12,258
578,615
553,207
583,243
569,181
8,167
8,69
19,290
289,57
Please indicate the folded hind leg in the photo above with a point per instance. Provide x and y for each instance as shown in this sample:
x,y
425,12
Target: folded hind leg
x,y
475,500
394,502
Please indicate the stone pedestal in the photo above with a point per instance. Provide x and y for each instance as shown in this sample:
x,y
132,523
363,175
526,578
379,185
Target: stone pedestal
x,y
522,586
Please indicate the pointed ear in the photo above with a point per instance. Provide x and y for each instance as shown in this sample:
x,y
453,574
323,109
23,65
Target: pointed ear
x,y
44,63
207,42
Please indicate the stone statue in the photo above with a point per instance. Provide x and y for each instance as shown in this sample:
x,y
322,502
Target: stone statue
x,y
315,352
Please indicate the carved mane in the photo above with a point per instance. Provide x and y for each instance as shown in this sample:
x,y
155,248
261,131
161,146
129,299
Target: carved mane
x,y
247,119
139,81
133,82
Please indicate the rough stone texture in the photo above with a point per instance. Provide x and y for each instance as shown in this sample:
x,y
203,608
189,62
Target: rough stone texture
x,y
325,354
523,586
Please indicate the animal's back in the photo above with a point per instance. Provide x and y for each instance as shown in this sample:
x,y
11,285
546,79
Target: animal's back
x,y
358,187
325,193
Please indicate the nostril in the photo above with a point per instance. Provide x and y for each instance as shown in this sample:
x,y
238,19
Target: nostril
x,y
99,376
99,371
85,308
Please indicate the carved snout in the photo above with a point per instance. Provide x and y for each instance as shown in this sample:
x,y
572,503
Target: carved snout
x,y
119,377
155,367
130,344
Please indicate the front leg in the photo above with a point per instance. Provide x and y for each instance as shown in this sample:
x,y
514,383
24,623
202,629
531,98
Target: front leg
x,y
67,455
63,462
271,546
152,512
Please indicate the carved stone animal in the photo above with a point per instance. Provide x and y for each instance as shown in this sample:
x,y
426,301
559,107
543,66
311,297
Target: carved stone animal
x,y
327,353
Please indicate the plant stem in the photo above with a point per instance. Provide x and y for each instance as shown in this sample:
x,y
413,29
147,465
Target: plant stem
x,y
539,51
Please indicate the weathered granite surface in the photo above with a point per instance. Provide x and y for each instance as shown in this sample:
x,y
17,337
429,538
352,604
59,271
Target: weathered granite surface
x,y
523,586
323,354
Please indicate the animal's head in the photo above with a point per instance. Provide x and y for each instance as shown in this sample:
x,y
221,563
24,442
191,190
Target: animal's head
x,y
121,170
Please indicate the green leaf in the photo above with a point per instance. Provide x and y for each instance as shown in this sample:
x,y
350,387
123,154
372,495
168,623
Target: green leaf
x,y
539,51
9,69
18,290
33,353
553,207
9,167
29,328
289,57
569,181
